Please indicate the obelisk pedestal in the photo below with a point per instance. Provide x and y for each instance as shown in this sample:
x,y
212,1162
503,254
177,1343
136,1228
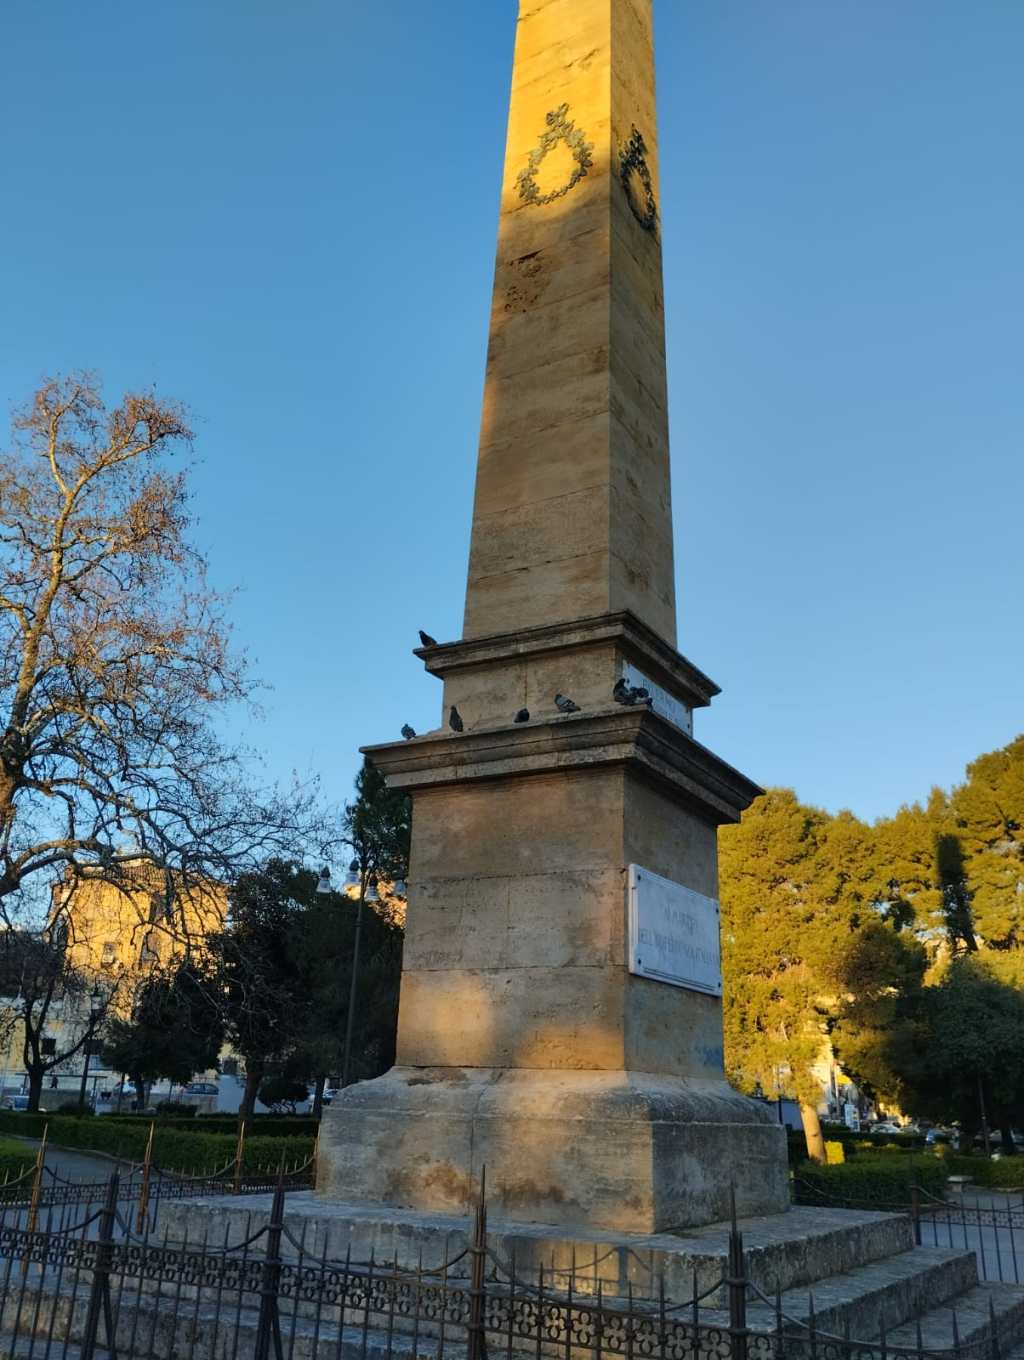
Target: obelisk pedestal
x,y
533,1039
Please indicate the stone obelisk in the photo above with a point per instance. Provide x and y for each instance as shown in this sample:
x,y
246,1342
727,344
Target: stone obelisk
x,y
560,1018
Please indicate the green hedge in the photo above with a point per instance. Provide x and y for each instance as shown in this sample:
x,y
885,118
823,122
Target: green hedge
x,y
267,1125
855,1144
866,1181
1006,1174
15,1159
174,1149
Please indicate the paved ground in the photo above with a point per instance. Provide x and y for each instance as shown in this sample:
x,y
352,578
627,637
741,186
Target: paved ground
x,y
74,1166
989,1223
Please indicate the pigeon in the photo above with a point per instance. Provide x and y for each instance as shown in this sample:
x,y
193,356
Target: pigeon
x,y
426,640
455,720
565,705
624,693
522,716
408,732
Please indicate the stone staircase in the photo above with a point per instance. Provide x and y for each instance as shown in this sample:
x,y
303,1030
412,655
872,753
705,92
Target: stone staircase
x,y
846,1274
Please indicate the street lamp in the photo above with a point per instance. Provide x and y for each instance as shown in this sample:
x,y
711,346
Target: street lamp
x,y
95,1011
323,883
352,877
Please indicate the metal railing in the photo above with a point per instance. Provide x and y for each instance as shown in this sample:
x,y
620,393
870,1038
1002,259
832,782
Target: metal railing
x,y
97,1289
988,1222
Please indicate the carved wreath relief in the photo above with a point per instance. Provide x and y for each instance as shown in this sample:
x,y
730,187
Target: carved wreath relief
x,y
636,180
560,129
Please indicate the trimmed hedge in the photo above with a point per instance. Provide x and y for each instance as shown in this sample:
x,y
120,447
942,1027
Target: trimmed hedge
x,y
867,1182
1005,1174
15,1159
269,1125
173,1149
856,1144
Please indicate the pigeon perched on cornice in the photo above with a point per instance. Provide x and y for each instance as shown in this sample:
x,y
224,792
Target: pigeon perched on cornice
x,y
455,720
408,732
522,716
625,693
426,640
565,704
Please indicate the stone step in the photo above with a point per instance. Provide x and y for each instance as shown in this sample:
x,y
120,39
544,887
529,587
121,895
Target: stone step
x,y
148,1327
883,1293
789,1250
975,1308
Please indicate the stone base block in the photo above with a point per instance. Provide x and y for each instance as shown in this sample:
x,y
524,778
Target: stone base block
x,y
631,1152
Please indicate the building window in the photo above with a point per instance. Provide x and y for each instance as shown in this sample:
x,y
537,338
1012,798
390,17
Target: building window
x,y
108,956
48,1046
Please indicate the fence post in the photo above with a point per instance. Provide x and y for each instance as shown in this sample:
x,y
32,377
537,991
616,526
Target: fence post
x,y
37,1194
476,1348
37,1181
268,1327
99,1292
736,1282
239,1156
915,1212
147,1167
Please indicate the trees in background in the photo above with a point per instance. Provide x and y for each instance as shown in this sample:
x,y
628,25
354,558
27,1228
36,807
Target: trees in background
x,y
263,998
114,663
59,1007
174,1029
898,947
310,977
794,886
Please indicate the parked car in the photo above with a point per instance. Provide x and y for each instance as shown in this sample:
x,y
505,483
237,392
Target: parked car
x,y
201,1088
15,1102
886,1129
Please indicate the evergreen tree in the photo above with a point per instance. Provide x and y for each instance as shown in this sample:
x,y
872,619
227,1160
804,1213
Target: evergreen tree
x,y
989,813
264,996
175,1028
774,915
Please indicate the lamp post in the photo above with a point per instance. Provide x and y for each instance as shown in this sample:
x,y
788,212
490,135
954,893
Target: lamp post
x,y
323,889
367,888
95,1011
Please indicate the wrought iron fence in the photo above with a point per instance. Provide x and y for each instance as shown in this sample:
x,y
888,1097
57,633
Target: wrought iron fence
x,y
97,1289
988,1222
43,1187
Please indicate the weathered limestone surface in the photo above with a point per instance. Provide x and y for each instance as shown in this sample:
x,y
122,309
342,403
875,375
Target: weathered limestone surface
x,y
791,1250
593,1096
623,1151
573,508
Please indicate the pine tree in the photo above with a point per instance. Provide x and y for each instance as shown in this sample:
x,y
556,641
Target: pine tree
x,y
989,813
774,1028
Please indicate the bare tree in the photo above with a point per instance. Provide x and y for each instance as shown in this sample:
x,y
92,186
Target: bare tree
x,y
60,1007
114,664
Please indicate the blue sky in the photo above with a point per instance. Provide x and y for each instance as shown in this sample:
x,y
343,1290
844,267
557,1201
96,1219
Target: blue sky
x,y
285,215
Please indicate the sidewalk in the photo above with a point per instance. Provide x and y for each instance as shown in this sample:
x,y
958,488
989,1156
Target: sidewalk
x,y
74,1165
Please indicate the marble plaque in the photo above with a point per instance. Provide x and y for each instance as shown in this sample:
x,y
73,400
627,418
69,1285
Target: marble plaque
x,y
673,933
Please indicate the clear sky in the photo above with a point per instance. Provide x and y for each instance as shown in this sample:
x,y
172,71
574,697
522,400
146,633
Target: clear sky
x,y
285,214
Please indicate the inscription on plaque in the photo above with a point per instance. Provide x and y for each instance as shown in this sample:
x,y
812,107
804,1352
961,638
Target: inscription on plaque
x,y
673,933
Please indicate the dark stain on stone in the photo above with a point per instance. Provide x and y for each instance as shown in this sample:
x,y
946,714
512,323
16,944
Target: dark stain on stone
x,y
522,1192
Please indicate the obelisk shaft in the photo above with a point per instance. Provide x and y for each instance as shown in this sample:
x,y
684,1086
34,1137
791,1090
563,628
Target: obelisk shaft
x,y
572,516
552,839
